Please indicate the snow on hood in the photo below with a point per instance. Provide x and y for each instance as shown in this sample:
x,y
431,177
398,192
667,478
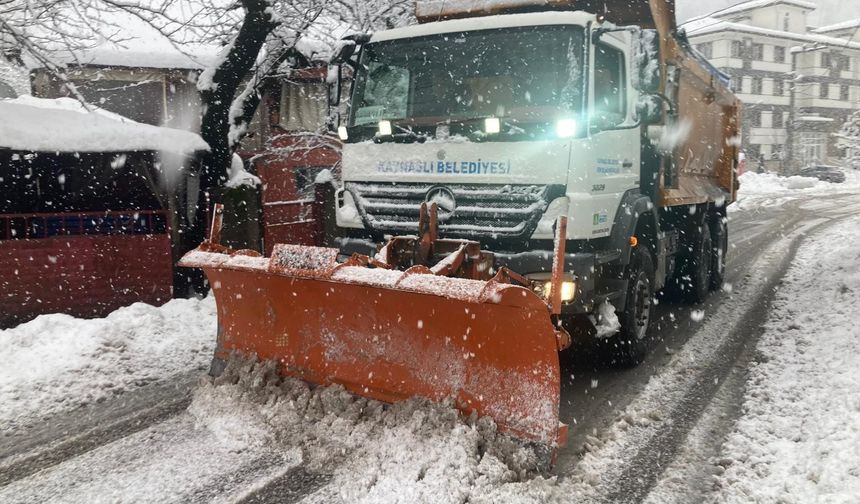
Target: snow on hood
x,y
64,125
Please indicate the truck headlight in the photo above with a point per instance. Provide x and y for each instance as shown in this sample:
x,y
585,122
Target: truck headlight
x,y
542,285
565,128
568,291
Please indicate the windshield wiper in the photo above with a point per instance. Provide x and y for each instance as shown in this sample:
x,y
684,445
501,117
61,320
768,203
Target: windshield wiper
x,y
404,136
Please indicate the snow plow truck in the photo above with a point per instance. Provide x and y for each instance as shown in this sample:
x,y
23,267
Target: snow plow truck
x,y
515,174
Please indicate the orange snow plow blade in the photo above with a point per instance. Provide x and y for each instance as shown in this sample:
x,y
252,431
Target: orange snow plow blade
x,y
390,335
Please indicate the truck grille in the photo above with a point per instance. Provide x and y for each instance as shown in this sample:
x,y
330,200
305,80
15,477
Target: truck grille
x,y
493,211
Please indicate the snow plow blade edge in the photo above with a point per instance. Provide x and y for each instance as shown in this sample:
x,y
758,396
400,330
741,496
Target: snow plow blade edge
x,y
390,335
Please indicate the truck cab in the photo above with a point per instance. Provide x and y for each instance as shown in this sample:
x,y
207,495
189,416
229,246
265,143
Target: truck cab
x,y
508,122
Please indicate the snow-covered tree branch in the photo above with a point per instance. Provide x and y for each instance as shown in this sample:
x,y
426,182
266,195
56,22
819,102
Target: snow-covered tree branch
x,y
848,139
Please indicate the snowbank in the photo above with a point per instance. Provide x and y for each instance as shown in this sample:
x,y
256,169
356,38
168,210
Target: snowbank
x,y
64,125
762,190
57,362
799,437
413,451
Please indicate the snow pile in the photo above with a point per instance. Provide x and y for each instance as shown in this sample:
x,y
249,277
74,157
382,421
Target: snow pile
x,y
799,437
57,362
412,451
760,190
239,176
608,323
64,125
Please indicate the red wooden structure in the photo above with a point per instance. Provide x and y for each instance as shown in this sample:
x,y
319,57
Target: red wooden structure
x,y
288,158
82,263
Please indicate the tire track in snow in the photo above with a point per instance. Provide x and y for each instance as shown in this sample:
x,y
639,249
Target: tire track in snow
x,y
172,461
633,454
70,434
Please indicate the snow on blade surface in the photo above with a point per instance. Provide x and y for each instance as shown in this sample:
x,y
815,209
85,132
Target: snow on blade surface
x,y
57,362
798,439
64,125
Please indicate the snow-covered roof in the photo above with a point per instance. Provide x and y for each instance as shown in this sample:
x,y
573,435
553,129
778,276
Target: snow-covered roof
x,y
137,57
486,23
705,25
845,25
755,4
64,125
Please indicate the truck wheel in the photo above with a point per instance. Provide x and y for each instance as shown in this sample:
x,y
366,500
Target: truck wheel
x,y
697,268
630,345
720,250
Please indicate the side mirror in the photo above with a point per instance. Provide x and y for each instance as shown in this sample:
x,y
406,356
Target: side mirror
x,y
334,80
344,51
649,109
646,58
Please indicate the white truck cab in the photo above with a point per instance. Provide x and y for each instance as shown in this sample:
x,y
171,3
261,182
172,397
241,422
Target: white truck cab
x,y
509,121
489,106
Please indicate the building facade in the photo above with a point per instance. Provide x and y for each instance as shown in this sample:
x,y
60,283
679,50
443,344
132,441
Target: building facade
x,y
799,84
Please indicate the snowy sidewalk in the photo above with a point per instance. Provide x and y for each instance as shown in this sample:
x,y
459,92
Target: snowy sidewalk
x,y
798,440
58,363
759,191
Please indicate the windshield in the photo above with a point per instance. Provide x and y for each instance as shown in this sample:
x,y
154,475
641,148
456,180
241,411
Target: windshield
x,y
524,74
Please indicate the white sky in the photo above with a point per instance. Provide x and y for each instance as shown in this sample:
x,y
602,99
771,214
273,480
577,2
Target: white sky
x,y
828,12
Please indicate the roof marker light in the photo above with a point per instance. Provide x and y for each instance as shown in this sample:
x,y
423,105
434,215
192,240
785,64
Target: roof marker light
x,y
492,125
384,128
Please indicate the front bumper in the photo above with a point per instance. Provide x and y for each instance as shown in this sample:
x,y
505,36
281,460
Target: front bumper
x,y
583,265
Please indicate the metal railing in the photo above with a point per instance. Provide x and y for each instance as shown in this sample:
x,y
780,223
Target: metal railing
x,y
23,226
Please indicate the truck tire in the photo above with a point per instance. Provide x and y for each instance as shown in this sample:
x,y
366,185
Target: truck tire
x,y
720,241
696,272
630,344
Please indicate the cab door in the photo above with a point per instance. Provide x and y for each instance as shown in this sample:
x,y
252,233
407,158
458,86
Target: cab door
x,y
610,155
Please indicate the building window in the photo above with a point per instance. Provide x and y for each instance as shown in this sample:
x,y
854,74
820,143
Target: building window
x,y
757,85
305,177
754,151
737,48
812,146
824,90
707,49
843,63
303,106
756,118
825,60
786,22
758,52
778,87
779,54
843,92
778,119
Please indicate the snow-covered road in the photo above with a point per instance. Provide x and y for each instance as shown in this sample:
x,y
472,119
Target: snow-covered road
x,y
250,437
798,439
